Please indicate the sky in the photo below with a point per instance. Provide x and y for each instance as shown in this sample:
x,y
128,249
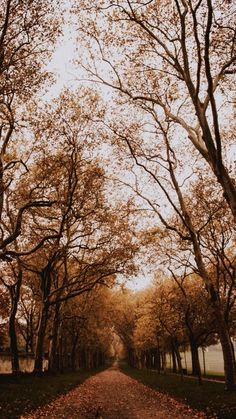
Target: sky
x,y
61,64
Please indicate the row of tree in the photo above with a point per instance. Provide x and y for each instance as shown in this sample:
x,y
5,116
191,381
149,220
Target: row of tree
x,y
169,318
64,232
170,67
60,238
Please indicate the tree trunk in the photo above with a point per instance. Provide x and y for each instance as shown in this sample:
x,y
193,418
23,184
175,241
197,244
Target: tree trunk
x,y
216,163
45,286
225,339
15,296
178,357
222,327
13,340
233,354
174,367
163,360
229,189
142,359
53,356
147,355
73,352
39,352
158,360
228,352
196,368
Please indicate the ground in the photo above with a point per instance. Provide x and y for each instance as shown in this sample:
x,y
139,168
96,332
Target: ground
x,y
113,395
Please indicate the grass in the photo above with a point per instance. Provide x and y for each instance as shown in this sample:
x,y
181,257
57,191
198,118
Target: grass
x,y
210,375
20,395
211,397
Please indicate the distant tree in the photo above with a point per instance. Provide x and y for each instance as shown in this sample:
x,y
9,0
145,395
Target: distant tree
x,y
123,315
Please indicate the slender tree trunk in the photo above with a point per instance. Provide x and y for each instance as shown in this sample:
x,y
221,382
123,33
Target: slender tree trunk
x,y
158,360
73,352
224,336
229,189
31,332
222,327
228,352
204,361
174,367
147,355
178,357
232,345
13,340
163,360
39,352
45,286
143,359
225,339
15,296
196,368
53,356
216,163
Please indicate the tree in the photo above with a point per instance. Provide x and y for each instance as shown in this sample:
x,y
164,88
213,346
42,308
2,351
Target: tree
x,y
123,314
28,32
87,241
183,228
199,320
177,59
83,337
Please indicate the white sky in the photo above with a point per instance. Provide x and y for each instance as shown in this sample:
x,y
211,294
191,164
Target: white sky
x,y
62,65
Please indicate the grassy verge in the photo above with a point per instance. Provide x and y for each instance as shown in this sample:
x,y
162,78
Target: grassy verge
x,y
19,395
211,397
211,375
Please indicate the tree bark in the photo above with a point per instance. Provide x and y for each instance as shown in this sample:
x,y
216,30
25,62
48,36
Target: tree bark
x,y
53,356
73,351
13,339
227,349
45,286
174,367
15,296
178,357
196,368
39,352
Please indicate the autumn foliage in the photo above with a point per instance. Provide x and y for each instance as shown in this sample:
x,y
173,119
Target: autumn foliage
x,y
130,173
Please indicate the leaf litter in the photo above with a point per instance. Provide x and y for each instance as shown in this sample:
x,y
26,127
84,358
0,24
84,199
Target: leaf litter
x,y
113,395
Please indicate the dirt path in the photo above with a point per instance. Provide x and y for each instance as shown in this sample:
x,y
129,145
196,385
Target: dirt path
x,y
113,395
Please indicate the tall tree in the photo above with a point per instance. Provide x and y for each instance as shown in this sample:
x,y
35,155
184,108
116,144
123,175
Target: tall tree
x,y
177,57
28,31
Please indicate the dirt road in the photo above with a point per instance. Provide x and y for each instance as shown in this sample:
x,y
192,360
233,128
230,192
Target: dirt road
x,y
113,395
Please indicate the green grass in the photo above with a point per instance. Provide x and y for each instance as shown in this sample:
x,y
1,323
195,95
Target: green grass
x,y
211,397
19,395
